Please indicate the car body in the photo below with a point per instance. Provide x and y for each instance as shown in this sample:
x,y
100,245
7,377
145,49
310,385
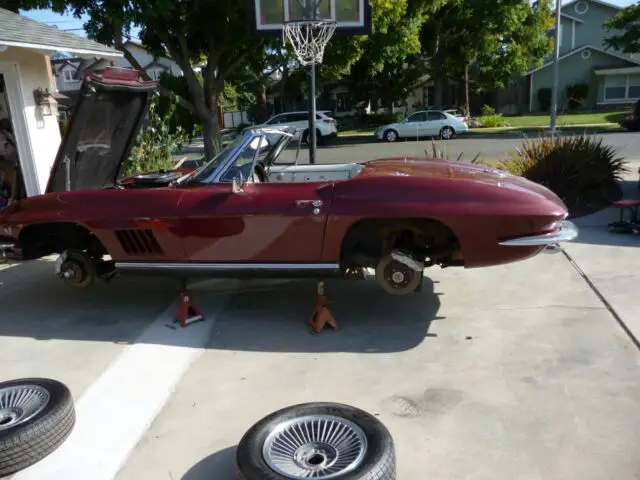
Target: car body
x,y
254,210
326,126
426,123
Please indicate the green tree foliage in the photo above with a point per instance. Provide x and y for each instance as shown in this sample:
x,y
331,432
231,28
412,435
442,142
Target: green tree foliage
x,y
389,66
501,37
626,25
155,144
212,32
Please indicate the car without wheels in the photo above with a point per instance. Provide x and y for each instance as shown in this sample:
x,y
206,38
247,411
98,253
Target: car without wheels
x,y
254,210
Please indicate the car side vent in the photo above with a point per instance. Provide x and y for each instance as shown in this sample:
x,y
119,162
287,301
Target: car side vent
x,y
139,242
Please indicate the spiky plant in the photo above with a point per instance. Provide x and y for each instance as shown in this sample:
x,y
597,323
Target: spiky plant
x,y
583,171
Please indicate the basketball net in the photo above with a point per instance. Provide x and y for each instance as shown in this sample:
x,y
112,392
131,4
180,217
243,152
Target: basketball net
x,y
309,38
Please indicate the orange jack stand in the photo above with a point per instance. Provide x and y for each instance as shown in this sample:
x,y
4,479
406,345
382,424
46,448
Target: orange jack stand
x,y
187,311
321,315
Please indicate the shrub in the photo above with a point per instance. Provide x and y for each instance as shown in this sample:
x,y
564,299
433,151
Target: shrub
x,y
377,119
577,94
493,121
156,143
580,169
487,111
439,152
544,99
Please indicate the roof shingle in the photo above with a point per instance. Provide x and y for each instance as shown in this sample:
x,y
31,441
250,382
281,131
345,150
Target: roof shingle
x,y
19,31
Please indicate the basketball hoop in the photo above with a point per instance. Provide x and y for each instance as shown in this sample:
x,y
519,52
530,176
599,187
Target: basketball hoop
x,y
309,38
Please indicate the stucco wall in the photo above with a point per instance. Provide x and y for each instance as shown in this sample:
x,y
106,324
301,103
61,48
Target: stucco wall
x,y
572,70
43,131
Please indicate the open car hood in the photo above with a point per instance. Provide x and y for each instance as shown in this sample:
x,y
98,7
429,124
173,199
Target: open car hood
x,y
104,125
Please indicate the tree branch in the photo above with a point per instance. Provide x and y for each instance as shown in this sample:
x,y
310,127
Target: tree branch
x,y
119,44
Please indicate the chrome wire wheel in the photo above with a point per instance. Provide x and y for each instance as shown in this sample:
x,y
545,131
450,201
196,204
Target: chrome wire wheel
x,y
19,404
315,446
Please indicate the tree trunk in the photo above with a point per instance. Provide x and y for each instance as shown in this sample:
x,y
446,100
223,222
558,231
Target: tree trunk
x,y
211,129
467,107
262,102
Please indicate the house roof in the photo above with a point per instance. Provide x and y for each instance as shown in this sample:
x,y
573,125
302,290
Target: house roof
x,y
23,32
580,49
598,2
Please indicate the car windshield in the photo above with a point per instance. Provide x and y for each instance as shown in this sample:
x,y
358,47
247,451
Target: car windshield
x,y
206,170
269,145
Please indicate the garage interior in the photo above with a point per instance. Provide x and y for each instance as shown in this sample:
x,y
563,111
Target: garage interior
x,y
11,181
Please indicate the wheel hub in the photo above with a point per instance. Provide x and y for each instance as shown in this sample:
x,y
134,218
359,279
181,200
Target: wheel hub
x,y
315,456
398,274
397,277
20,404
318,446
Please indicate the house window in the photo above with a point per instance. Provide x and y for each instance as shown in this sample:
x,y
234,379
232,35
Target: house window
x,y
581,7
586,54
621,87
343,103
634,86
615,87
67,75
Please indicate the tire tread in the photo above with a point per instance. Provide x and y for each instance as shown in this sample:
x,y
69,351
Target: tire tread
x,y
29,443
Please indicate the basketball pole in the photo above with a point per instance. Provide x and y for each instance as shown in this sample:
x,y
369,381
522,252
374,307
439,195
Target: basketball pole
x,y
313,149
313,141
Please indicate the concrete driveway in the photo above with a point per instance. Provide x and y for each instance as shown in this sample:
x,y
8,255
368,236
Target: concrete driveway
x,y
518,371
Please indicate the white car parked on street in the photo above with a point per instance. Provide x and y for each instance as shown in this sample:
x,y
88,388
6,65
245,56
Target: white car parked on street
x,y
326,127
427,123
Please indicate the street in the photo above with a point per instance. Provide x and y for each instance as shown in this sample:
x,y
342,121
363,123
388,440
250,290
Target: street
x,y
490,147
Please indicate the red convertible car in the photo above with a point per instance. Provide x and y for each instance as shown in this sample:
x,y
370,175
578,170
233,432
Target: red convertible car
x,y
254,211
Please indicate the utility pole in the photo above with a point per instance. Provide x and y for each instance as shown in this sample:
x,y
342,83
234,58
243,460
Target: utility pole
x,y
556,58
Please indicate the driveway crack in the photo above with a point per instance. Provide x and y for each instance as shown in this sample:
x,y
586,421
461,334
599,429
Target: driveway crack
x,y
604,301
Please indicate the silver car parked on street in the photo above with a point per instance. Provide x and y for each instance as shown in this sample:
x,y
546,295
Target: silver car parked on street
x,y
427,123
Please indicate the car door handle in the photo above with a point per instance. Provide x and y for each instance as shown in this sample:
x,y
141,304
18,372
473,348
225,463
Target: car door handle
x,y
304,203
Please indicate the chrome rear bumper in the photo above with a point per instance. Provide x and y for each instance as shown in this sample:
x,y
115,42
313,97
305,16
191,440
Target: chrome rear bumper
x,y
566,232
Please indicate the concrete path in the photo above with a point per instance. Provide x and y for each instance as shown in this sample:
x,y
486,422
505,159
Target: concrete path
x,y
511,372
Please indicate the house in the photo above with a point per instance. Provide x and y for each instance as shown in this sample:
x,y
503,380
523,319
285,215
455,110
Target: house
x,y
612,77
335,96
26,102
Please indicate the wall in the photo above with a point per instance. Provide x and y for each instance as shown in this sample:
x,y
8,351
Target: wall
x,y
44,133
572,70
591,32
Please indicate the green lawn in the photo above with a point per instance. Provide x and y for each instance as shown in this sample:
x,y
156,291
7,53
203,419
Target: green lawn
x,y
524,130
574,119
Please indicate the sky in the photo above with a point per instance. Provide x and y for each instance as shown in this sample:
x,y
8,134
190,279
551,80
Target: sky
x,y
68,22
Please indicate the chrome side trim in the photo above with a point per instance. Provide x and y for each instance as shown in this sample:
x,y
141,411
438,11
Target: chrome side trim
x,y
566,232
225,267
6,247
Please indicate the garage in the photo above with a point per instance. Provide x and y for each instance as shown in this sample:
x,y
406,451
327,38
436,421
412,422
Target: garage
x,y
29,130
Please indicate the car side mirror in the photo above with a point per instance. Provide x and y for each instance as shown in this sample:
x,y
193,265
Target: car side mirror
x,y
238,183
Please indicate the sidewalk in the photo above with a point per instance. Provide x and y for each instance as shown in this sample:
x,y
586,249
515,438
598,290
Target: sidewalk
x,y
611,261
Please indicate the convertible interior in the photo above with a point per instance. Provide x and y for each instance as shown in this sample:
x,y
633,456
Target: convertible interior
x,y
313,173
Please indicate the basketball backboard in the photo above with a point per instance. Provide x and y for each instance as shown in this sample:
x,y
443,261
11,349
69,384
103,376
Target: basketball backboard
x,y
353,17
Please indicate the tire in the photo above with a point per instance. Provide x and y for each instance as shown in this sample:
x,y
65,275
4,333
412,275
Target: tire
x,y
447,133
319,139
376,461
390,135
388,268
26,443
